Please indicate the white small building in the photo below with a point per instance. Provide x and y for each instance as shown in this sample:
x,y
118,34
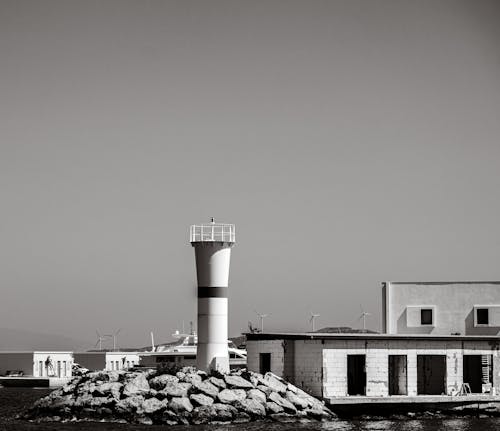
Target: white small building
x,y
109,361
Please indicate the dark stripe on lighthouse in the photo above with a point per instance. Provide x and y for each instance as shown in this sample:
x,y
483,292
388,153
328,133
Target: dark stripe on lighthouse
x,y
212,292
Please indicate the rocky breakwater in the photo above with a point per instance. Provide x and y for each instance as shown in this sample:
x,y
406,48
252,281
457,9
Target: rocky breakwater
x,y
185,397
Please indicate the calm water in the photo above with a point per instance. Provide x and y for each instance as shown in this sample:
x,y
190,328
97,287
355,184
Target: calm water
x,y
14,400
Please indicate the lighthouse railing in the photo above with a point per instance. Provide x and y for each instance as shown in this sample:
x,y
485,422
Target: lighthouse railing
x,y
215,232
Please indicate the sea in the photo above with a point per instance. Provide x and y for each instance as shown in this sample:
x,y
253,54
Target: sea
x,y
14,400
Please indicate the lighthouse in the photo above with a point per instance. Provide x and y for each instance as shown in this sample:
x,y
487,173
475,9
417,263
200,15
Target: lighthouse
x,y
212,244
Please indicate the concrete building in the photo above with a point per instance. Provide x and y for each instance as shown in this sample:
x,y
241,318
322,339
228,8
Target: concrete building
x,y
441,308
441,340
377,365
109,361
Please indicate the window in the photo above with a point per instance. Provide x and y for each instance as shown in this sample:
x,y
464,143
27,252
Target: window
x,y
426,316
482,316
64,369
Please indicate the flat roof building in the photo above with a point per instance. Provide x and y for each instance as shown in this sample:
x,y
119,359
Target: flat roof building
x,y
441,340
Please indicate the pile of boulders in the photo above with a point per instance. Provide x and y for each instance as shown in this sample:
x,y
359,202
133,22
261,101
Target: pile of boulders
x,y
188,396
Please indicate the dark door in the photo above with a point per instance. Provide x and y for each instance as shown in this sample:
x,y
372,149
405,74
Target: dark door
x,y
264,363
473,373
398,378
431,374
356,374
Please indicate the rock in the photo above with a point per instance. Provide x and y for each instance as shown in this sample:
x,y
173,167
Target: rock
x,y
83,400
252,407
109,388
114,376
99,401
237,382
207,388
224,412
282,417
203,414
274,383
297,401
266,389
273,408
228,396
256,394
221,384
317,413
152,405
136,386
191,378
143,420
180,404
180,389
57,403
202,374
287,405
69,388
130,404
159,382
201,400
241,417
186,398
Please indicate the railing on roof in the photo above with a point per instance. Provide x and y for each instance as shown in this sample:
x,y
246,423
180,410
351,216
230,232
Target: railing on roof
x,y
219,232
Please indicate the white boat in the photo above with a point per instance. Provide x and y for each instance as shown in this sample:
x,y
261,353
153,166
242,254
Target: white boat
x,y
183,350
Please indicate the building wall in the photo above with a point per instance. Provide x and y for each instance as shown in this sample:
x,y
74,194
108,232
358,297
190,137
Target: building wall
x,y
320,366
62,363
121,360
453,305
275,347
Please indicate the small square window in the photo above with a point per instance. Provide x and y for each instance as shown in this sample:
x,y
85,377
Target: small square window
x,y
482,317
426,316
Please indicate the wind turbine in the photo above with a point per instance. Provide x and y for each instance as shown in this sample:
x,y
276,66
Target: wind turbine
x,y
152,342
113,336
312,319
100,339
261,317
363,316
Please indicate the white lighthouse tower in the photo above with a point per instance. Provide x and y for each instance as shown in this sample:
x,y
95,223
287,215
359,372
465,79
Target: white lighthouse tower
x,y
212,244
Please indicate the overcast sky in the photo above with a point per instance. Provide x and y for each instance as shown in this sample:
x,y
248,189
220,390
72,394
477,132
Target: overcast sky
x,y
351,142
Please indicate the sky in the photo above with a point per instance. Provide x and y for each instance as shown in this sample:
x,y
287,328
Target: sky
x,y
350,142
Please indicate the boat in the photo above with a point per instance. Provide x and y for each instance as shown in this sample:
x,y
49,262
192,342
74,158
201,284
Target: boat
x,y
182,351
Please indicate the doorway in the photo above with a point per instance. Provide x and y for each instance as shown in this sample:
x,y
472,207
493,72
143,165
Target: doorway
x,y
478,372
356,374
264,363
398,375
431,374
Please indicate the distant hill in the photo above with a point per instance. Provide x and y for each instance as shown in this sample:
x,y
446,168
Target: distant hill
x,y
344,330
20,339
